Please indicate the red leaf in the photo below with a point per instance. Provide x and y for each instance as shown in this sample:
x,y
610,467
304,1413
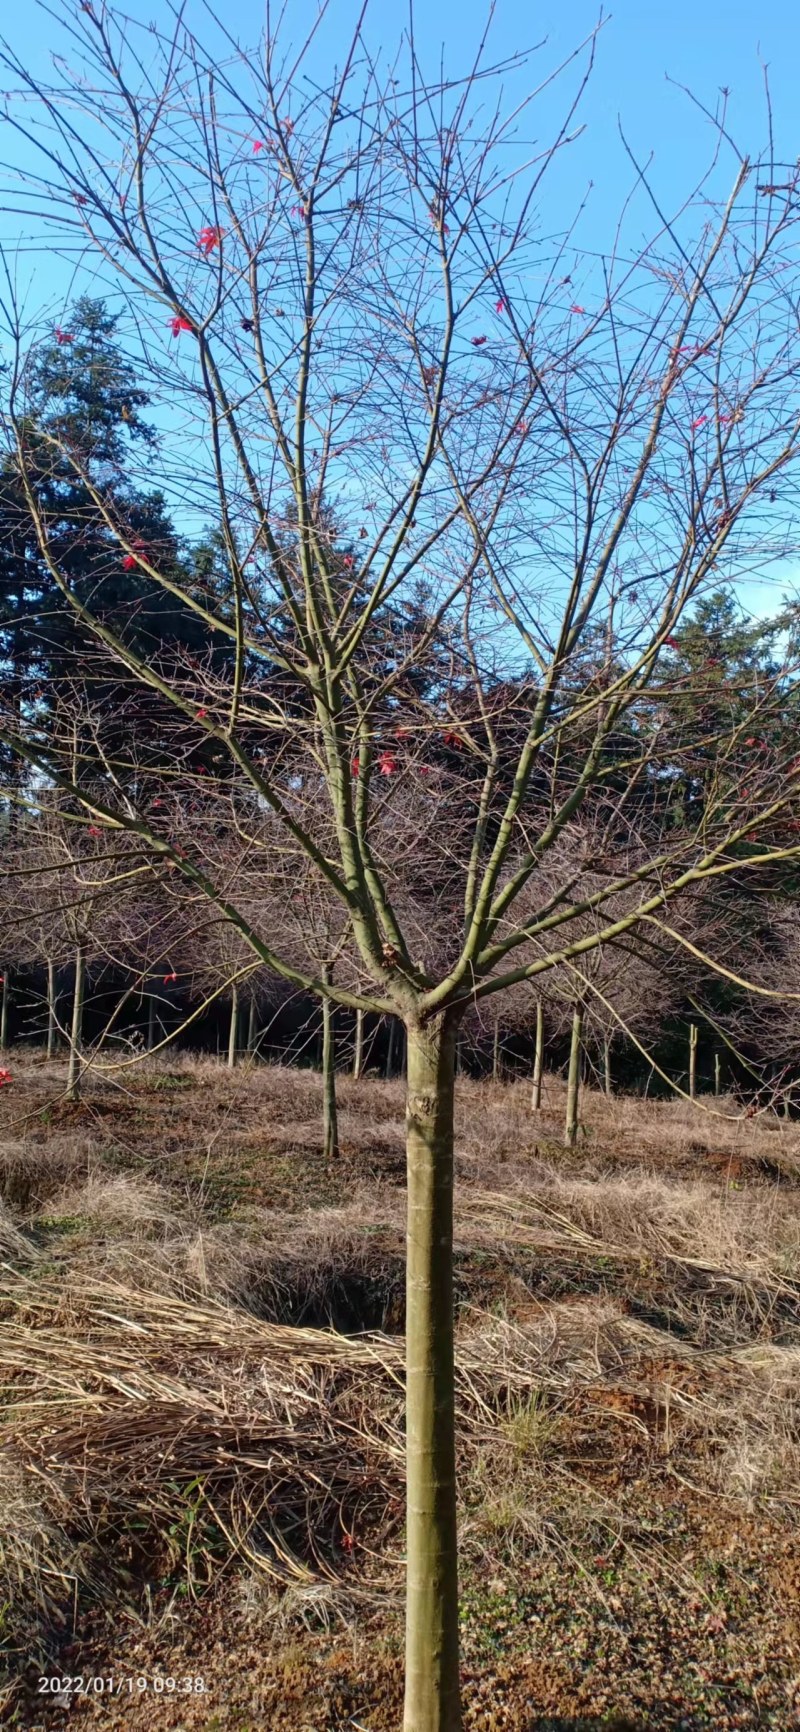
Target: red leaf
x,y
258,144
298,210
158,802
500,307
355,766
451,739
387,764
700,422
62,337
168,978
5,1077
208,239
178,324
128,562
477,342
576,309
672,642
347,561
200,715
93,830
347,1542
522,427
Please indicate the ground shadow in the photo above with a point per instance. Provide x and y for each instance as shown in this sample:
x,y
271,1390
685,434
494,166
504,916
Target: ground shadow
x,y
612,1723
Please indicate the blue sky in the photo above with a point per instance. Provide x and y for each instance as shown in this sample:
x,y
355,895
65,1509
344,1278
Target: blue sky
x,y
704,44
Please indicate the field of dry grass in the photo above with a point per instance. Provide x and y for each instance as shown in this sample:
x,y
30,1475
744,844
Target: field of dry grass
x,y
201,1462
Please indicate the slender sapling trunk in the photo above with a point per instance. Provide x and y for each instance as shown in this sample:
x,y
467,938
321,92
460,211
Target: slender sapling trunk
x,y
233,1031
358,1050
692,1060
330,1123
76,1030
574,1078
538,1059
432,1701
52,1008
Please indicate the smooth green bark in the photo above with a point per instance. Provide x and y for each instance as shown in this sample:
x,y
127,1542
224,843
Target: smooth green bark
x,y
432,1699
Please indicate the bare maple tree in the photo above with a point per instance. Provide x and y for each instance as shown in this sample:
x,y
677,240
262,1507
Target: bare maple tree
x,y
447,459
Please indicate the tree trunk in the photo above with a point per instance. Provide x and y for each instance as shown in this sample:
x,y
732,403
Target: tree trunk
x,y
496,1053
607,1066
574,1078
252,1027
233,1031
330,1123
52,1020
432,1702
538,1059
692,1060
390,1049
151,1021
4,1013
76,1031
358,1050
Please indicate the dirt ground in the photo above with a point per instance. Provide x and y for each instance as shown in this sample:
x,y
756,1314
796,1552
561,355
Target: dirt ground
x,y
202,1485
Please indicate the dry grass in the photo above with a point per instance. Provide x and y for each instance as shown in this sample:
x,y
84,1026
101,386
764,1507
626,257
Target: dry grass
x,y
14,1245
629,1322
